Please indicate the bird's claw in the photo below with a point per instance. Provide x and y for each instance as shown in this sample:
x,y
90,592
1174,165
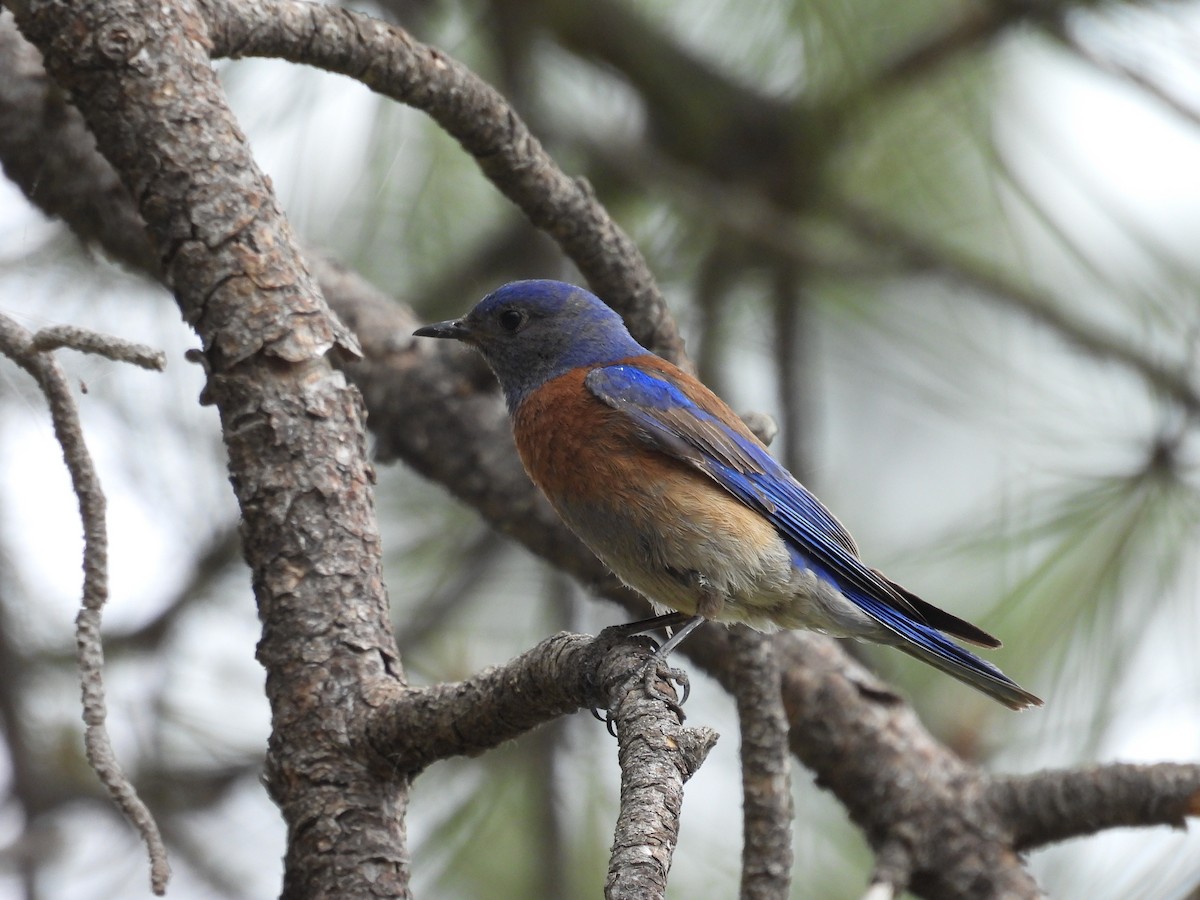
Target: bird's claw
x,y
607,719
657,671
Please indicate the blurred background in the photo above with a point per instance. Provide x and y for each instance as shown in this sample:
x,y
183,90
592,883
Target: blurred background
x,y
949,246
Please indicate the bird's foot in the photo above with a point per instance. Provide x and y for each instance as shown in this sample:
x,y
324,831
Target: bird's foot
x,y
660,681
667,684
657,672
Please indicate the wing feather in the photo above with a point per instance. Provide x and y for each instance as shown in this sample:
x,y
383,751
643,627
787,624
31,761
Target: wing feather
x,y
679,427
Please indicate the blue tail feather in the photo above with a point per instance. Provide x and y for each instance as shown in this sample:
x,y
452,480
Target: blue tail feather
x,y
930,646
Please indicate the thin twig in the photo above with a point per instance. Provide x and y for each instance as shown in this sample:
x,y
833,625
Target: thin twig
x,y
17,344
86,341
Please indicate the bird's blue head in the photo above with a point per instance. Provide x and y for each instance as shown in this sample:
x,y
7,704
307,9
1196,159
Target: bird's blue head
x,y
532,331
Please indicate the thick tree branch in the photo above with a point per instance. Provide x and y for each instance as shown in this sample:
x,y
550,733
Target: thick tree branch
x,y
73,182
413,727
1054,806
140,73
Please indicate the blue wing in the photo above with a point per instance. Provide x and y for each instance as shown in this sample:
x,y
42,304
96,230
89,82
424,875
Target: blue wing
x,y
677,426
680,428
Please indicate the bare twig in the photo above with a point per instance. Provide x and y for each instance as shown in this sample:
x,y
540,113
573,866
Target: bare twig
x,y
17,344
114,348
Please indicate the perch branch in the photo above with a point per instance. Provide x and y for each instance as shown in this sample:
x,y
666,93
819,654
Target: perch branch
x,y
657,756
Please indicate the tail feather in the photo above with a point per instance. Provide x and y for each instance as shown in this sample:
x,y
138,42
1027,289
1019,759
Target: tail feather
x,y
924,641
952,659
942,620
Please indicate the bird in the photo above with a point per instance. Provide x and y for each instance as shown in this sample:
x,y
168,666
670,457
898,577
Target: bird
x,y
664,483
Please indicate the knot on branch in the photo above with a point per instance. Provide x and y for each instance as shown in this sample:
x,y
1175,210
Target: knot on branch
x,y
120,42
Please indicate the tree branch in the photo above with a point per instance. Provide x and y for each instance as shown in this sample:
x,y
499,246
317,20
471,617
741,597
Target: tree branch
x,y
116,349
73,182
18,345
766,764
410,728
1054,806
656,756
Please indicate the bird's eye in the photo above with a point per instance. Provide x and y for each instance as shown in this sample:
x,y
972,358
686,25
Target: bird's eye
x,y
512,319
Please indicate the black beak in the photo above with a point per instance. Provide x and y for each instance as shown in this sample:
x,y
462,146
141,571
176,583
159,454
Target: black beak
x,y
451,328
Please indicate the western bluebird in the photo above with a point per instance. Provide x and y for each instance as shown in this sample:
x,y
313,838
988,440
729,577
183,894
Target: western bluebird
x,y
663,481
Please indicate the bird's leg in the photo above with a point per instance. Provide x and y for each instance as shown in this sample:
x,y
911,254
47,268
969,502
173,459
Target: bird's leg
x,y
690,624
670,673
709,603
666,620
